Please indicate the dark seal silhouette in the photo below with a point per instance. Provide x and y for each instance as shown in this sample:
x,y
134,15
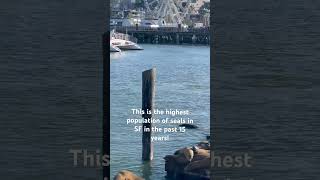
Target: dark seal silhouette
x,y
189,126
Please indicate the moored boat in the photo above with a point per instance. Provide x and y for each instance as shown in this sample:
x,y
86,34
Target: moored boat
x,y
114,48
120,41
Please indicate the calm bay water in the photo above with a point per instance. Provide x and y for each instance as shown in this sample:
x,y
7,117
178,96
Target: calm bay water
x,y
183,82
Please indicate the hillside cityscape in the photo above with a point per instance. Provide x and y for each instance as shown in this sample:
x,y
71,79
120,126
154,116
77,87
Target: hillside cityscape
x,y
161,13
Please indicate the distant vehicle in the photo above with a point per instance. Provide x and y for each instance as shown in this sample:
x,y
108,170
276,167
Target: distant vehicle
x,y
198,25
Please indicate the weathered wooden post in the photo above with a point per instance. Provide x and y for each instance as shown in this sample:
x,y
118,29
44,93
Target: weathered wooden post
x,y
148,93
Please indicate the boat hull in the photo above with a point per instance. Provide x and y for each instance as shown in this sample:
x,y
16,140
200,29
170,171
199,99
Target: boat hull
x,y
114,49
130,47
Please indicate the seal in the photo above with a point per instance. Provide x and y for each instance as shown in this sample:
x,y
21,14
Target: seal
x,y
189,126
126,175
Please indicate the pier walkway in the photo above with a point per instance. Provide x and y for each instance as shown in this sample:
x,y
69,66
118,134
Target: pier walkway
x,y
167,35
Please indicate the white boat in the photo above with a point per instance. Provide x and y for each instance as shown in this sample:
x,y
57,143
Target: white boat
x,y
123,42
125,45
114,48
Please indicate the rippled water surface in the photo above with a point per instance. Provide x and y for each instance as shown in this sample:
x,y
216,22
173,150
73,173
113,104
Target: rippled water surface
x,y
182,83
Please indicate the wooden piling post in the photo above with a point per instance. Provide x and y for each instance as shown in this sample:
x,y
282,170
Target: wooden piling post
x,y
148,93
177,38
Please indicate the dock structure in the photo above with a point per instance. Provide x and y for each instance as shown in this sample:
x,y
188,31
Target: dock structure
x,y
168,35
